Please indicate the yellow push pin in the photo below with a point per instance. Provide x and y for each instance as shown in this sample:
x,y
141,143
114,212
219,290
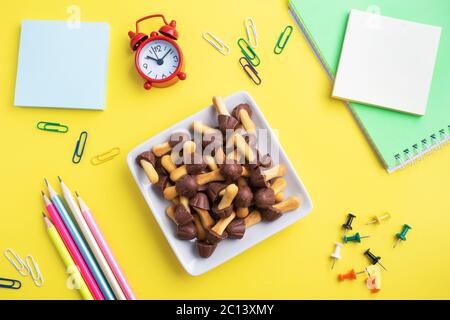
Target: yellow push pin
x,y
379,219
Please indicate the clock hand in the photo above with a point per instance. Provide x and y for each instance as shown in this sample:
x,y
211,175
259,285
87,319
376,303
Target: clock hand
x,y
148,58
166,54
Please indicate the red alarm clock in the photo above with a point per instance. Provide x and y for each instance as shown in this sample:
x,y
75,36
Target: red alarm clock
x,y
159,59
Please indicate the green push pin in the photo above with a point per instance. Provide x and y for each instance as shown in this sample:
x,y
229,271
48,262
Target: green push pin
x,y
356,238
402,235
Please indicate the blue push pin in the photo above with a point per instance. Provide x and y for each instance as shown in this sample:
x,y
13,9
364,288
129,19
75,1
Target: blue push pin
x,y
356,238
402,235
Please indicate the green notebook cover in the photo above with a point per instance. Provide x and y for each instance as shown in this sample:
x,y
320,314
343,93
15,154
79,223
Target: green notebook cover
x,y
398,138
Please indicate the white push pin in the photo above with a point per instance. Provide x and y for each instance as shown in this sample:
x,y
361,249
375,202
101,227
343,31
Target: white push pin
x,y
336,255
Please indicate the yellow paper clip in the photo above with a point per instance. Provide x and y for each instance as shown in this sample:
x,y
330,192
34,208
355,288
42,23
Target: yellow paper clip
x,y
105,157
250,70
52,127
217,43
252,35
286,34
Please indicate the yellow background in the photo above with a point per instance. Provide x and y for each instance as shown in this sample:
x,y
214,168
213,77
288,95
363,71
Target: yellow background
x,y
327,148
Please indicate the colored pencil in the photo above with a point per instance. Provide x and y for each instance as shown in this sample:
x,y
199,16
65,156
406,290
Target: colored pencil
x,y
92,243
87,214
67,259
73,249
76,236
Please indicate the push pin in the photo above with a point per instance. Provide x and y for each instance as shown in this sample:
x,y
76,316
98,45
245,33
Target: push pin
x,y
351,275
348,225
402,235
379,219
356,238
373,258
336,255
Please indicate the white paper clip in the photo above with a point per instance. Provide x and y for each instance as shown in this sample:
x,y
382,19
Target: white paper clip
x,y
35,272
217,43
252,35
17,262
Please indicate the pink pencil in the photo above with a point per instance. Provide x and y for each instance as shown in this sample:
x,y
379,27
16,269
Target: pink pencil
x,y
105,249
73,249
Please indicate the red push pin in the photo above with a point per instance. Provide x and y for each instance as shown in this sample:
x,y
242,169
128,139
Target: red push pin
x,y
351,275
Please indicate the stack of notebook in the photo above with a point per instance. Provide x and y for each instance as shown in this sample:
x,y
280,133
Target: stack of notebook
x,y
398,138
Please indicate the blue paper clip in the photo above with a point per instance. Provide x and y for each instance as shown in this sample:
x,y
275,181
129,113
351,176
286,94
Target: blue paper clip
x,y
248,52
279,47
10,284
79,148
52,127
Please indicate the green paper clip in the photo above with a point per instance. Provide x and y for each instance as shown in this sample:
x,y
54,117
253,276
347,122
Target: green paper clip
x,y
280,47
79,148
52,127
248,52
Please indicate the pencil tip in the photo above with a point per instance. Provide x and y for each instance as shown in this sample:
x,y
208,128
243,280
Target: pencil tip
x,y
43,214
46,182
76,192
42,192
59,178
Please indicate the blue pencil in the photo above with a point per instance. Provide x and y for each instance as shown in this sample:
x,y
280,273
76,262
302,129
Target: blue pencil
x,y
95,270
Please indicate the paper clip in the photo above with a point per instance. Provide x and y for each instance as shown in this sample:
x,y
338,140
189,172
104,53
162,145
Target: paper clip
x,y
279,47
17,262
52,127
248,52
10,284
217,43
81,144
253,75
252,35
35,272
105,157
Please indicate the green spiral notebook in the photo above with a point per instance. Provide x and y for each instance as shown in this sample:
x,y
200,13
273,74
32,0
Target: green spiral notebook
x,y
398,138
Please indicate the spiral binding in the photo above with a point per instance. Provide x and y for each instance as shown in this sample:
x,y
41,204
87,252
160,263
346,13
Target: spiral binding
x,y
426,145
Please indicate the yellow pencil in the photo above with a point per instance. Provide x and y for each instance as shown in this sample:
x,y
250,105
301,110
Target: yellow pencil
x,y
67,259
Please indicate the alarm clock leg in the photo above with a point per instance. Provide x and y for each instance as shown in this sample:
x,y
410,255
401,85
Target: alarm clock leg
x,y
148,85
182,76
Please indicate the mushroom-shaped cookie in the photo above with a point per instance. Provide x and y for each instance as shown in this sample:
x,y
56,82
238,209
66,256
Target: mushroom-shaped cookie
x,y
194,165
236,229
205,249
244,148
243,113
217,233
243,199
201,232
182,213
225,207
187,186
214,190
265,197
168,164
208,177
186,231
202,128
161,149
260,178
279,197
231,170
200,203
277,210
147,162
226,121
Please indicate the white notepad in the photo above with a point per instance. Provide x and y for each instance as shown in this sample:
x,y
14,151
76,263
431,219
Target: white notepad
x,y
387,62
61,66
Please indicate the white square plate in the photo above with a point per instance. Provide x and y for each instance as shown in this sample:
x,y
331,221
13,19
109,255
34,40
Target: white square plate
x,y
186,250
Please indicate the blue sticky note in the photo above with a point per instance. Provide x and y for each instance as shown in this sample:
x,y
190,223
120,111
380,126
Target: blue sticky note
x,y
62,65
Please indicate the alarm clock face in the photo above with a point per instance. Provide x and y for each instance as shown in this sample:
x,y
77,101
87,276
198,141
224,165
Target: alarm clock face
x,y
159,60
